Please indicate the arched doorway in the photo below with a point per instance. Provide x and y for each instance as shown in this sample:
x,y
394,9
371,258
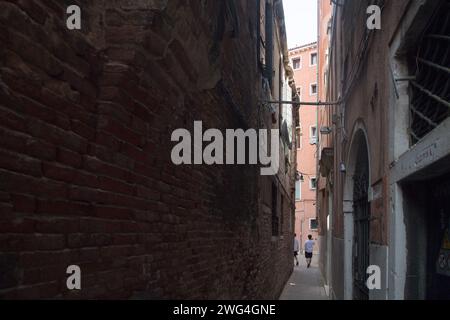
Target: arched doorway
x,y
361,220
357,217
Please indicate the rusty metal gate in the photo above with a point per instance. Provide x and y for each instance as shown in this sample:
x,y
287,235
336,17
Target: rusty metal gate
x,y
361,239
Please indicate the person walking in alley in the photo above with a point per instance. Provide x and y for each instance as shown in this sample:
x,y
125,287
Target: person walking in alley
x,y
296,249
309,247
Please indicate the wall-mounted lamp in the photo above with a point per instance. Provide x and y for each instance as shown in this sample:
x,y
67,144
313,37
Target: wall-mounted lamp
x,y
342,168
299,177
325,130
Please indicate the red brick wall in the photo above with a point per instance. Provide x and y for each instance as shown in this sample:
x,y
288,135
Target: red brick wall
x,y
85,170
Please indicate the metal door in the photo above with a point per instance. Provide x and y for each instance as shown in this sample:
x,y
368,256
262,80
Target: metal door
x,y
361,208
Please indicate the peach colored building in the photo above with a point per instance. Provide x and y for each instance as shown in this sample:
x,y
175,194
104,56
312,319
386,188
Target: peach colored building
x,y
304,61
325,144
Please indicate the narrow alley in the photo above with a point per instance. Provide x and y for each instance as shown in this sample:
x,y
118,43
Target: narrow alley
x,y
305,283
187,149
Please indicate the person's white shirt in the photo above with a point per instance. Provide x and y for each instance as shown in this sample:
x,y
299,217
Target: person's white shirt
x,y
309,246
296,245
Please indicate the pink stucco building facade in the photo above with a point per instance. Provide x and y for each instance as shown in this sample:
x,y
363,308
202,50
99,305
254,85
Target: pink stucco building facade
x,y
304,61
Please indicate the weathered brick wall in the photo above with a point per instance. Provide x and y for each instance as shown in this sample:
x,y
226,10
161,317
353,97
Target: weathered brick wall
x,y
85,170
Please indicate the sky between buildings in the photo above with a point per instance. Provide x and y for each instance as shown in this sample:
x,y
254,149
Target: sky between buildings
x,y
301,21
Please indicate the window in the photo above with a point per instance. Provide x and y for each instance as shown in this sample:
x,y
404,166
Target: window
x,y
313,135
430,88
313,59
298,138
313,183
313,224
298,190
297,62
313,90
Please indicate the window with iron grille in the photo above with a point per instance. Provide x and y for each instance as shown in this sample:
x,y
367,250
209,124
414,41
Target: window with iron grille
x,y
430,88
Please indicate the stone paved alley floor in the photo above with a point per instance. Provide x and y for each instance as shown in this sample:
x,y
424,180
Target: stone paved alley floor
x,y
305,284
